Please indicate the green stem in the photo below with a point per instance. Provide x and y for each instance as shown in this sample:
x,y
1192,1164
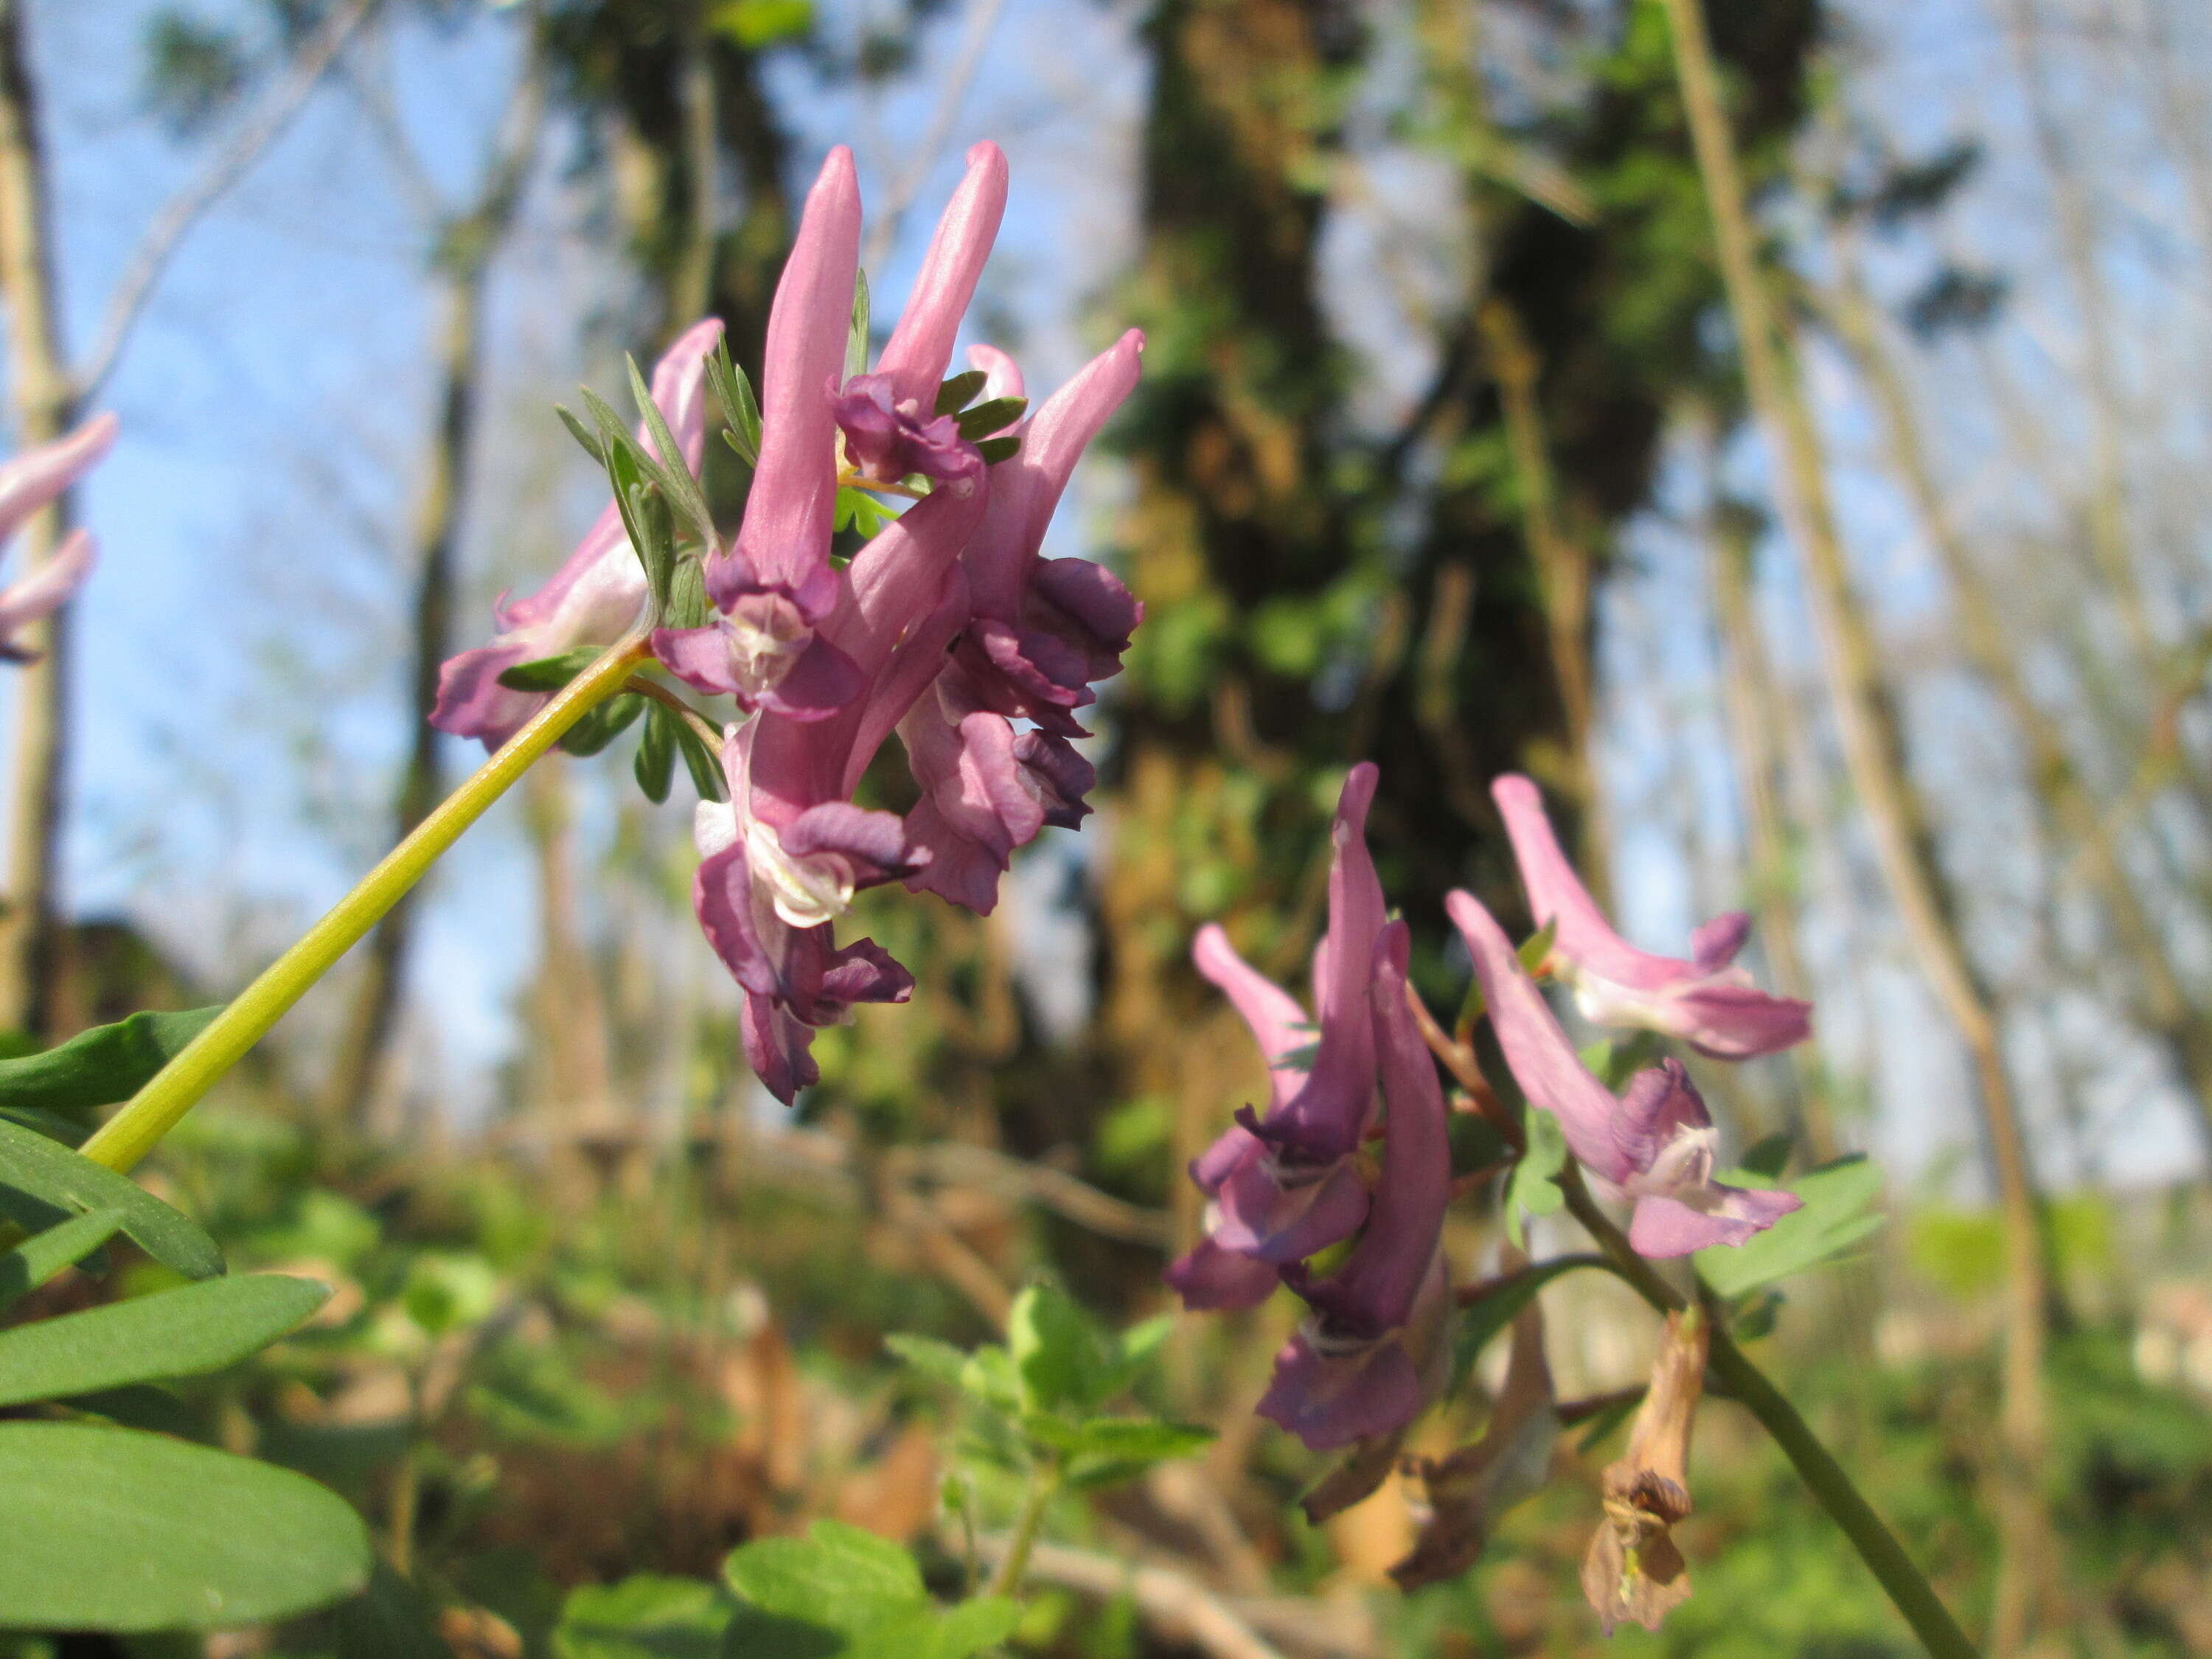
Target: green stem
x,y
1044,1481
1877,1545
1823,1477
177,1088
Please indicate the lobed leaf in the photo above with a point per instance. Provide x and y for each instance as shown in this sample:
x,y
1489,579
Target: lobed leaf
x,y
1839,1211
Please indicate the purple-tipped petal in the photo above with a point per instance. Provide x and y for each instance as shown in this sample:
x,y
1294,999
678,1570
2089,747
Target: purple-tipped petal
x,y
784,544
1659,1104
1051,767
779,1047
1086,605
1027,489
38,477
1737,1021
45,590
1537,1051
1332,1400
1716,944
1663,1227
1283,1216
920,347
1326,1119
1374,1289
873,845
864,972
1235,1147
1210,1279
975,809
888,439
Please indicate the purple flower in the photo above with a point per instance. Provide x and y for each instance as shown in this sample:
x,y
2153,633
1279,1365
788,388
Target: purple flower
x,y
782,860
34,480
1365,1361
1708,1004
595,595
1042,632
889,417
1286,1185
1654,1145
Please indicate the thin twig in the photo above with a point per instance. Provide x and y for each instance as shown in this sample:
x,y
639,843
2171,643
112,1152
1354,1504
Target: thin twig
x,y
955,83
245,148
1175,1604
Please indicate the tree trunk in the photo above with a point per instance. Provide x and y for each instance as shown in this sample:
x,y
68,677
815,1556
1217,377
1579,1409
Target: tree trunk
x,y
2061,793
31,944
1750,692
1874,752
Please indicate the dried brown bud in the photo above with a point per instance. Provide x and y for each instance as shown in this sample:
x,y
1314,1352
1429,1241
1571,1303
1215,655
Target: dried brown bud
x,y
1633,1570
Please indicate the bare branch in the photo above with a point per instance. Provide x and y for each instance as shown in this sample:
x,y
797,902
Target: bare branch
x,y
245,148
958,80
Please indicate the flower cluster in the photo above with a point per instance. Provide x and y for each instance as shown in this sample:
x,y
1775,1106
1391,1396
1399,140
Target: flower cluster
x,y
1292,1183
947,627
31,481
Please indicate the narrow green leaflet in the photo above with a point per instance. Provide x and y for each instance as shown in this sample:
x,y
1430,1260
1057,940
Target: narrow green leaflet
x,y
646,1616
996,416
582,433
856,340
550,673
994,450
704,765
112,1531
953,395
39,1257
1483,1318
740,410
604,724
675,472
99,1066
1533,1188
179,1333
42,1183
1538,946
1841,1200
1768,1158
655,765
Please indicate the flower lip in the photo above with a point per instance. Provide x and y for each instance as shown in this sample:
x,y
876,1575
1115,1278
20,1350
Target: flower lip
x,y
806,891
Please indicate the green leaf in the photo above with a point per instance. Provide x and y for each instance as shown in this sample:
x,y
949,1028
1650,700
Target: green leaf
x,y
1056,1350
392,1619
934,1632
550,673
646,1616
996,416
994,450
940,1361
582,433
1135,1440
704,765
989,1376
754,24
604,724
39,1258
42,1183
1538,946
112,1531
1839,1211
655,766
1483,1318
99,1066
838,1576
856,339
70,1131
1534,1187
953,395
1769,1158
179,1333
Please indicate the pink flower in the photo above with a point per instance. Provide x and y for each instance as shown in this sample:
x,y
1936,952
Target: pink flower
x,y
34,480
1286,1185
1654,1145
1367,1359
1708,1004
